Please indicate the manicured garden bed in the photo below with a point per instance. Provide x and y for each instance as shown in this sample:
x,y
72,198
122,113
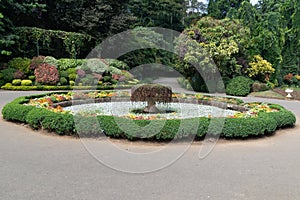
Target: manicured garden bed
x,y
46,112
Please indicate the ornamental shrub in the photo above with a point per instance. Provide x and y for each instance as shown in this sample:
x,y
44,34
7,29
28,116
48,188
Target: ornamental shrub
x,y
51,61
19,75
16,82
71,83
71,70
260,68
64,74
63,81
26,83
36,61
21,64
32,78
46,74
7,75
66,63
117,64
239,86
72,77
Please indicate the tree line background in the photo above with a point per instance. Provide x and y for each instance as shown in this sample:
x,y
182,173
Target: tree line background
x,y
235,32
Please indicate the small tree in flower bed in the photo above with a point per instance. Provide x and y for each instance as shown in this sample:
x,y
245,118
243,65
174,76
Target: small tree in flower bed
x,y
46,74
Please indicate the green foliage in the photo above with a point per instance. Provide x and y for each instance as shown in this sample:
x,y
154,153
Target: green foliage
x,y
63,81
7,38
64,74
239,86
117,64
225,41
60,123
51,60
15,111
26,83
72,41
163,13
32,78
16,82
21,64
112,126
7,75
220,8
71,83
66,64
72,77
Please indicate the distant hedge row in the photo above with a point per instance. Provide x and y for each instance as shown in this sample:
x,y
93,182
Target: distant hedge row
x,y
117,127
66,87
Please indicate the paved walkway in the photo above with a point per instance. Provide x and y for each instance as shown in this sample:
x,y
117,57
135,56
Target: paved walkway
x,y
39,166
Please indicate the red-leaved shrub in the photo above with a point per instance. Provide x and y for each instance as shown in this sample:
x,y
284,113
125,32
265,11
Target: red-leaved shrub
x,y
46,74
19,75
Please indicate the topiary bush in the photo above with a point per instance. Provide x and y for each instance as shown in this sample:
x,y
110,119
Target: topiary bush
x,y
16,82
72,77
26,83
32,78
46,74
239,86
63,81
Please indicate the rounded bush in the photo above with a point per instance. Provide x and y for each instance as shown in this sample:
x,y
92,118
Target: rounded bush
x,y
64,74
32,78
63,81
72,77
16,82
72,83
46,74
239,86
26,83
51,61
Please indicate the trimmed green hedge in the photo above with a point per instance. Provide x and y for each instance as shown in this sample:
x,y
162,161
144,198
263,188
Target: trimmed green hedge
x,y
66,87
117,127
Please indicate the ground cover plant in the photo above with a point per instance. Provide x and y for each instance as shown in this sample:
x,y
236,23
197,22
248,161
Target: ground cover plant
x,y
46,111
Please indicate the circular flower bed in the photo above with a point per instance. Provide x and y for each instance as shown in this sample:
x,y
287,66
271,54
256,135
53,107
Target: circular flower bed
x,y
194,115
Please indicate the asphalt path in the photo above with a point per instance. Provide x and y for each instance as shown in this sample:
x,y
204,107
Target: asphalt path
x,y
41,166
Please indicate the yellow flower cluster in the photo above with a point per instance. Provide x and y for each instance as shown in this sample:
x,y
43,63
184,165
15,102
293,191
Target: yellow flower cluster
x,y
259,66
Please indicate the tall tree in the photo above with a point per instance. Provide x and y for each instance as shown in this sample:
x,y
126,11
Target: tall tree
x,y
160,13
99,18
219,8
